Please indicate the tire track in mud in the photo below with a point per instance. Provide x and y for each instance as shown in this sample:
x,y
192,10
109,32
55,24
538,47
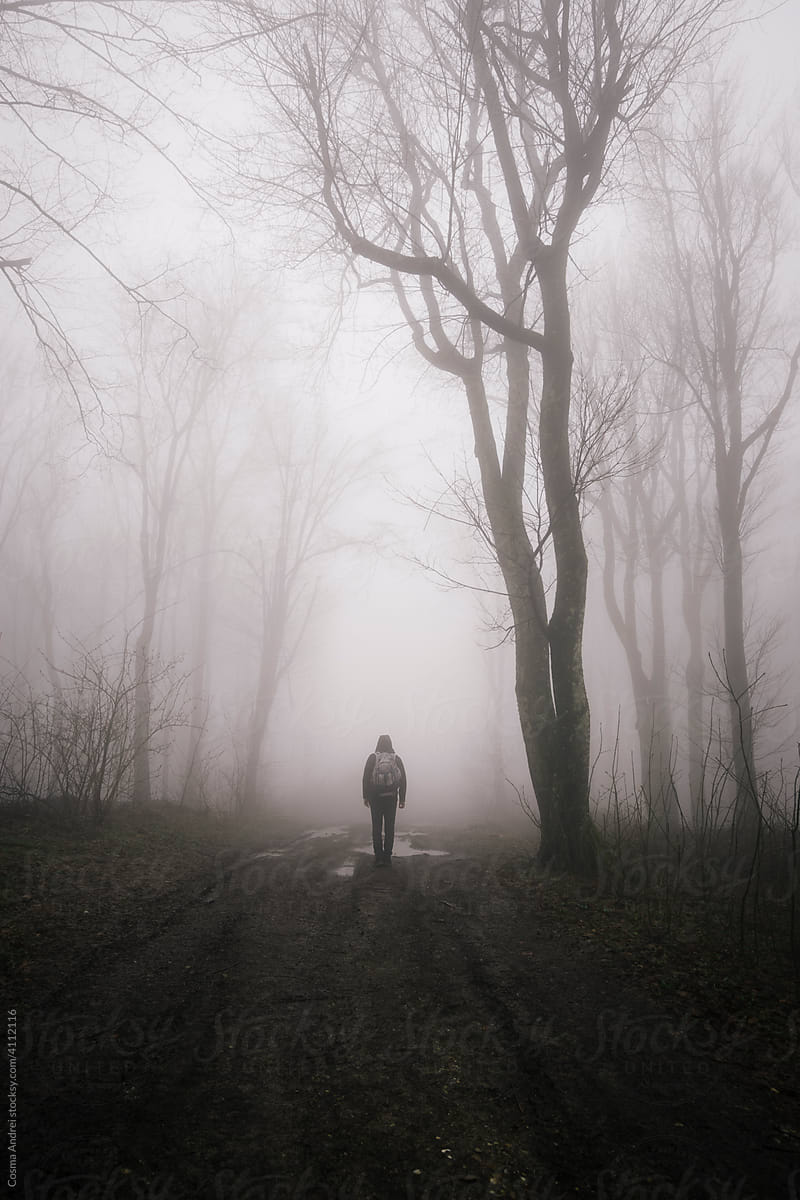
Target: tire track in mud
x,y
584,1030
368,1059
569,1130
416,1033
105,1052
509,1041
453,1058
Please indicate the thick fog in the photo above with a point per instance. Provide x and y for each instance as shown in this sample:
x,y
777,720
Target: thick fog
x,y
245,484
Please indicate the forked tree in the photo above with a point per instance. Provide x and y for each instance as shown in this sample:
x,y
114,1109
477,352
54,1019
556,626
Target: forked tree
x,y
457,145
725,236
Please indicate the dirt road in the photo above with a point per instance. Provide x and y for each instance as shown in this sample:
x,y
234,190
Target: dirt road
x,y
290,1022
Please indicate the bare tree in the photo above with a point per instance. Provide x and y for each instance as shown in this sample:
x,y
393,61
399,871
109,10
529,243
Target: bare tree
x,y
688,474
655,515
40,461
74,749
78,98
212,485
637,532
171,386
307,483
721,208
457,145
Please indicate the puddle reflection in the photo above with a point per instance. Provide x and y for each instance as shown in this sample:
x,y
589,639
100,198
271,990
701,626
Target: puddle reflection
x,y
402,849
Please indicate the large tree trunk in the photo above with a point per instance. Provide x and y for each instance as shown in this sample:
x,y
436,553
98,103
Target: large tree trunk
x,y
495,663
568,838
658,764
274,620
694,578
735,673
650,696
252,784
142,784
202,636
551,698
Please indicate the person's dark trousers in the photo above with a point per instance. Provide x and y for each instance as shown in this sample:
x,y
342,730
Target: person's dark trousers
x,y
384,811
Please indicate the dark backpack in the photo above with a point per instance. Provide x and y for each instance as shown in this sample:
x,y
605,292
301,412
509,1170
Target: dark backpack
x,y
386,774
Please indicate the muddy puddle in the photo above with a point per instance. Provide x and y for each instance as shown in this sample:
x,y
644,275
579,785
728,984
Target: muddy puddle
x,y
402,847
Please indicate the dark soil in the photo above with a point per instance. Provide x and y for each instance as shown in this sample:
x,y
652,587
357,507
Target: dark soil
x,y
197,1021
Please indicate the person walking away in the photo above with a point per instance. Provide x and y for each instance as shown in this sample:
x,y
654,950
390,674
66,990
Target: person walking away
x,y
383,787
